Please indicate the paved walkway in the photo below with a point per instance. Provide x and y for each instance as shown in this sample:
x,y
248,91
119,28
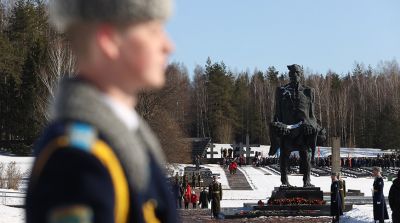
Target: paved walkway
x,y
237,181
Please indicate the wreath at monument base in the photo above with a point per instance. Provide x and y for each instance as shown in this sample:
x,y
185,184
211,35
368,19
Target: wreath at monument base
x,y
295,201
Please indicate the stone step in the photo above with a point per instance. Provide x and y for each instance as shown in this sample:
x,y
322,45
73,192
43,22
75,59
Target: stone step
x,y
237,181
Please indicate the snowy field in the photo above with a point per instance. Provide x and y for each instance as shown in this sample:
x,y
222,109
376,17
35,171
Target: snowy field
x,y
24,163
13,197
261,183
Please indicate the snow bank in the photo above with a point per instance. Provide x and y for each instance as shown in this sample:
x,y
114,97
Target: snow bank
x,y
361,214
24,163
11,215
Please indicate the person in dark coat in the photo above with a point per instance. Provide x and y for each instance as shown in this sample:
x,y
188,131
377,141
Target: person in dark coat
x,y
380,210
394,199
185,180
193,180
177,194
203,201
336,203
199,179
197,162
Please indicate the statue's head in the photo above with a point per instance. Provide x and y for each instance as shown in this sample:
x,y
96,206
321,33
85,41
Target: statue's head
x,y
295,73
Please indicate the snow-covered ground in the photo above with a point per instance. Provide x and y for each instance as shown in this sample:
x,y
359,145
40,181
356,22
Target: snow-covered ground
x,y
14,197
24,163
361,214
11,215
262,185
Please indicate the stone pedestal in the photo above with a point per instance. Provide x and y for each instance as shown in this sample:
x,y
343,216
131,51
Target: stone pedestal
x,y
309,193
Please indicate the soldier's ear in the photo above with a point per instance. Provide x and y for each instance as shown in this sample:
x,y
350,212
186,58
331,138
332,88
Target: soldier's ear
x,y
107,40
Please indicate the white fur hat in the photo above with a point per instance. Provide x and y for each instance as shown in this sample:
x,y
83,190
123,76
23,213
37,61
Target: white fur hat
x,y
64,13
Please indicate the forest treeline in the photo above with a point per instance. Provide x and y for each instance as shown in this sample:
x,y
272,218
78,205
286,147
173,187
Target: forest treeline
x,y
361,106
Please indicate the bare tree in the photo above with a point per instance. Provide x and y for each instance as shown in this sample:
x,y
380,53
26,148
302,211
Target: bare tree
x,y
62,63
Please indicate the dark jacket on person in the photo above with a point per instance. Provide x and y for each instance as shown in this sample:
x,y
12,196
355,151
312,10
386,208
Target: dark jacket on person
x,y
204,199
336,201
380,209
90,165
177,190
394,200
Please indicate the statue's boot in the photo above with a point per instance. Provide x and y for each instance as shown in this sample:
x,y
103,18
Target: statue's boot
x,y
308,184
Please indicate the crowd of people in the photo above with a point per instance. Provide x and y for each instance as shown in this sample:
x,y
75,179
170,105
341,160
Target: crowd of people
x,y
184,189
384,161
188,195
185,192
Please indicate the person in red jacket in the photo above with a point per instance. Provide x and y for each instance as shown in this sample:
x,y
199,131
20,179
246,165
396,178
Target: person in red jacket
x,y
187,196
233,167
194,199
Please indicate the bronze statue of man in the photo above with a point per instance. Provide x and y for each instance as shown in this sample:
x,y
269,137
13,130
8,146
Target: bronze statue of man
x,y
294,126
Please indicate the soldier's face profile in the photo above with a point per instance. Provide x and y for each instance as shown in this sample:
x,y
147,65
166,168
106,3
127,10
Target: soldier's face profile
x,y
144,51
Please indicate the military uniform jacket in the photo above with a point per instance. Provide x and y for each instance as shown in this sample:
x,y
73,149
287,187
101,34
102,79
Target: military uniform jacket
x,y
215,191
380,209
342,191
91,168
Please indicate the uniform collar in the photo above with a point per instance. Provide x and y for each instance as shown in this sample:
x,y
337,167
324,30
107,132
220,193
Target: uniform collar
x,y
79,100
127,115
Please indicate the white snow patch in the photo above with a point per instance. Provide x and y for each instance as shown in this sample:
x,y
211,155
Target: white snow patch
x,y
24,163
217,169
11,215
361,214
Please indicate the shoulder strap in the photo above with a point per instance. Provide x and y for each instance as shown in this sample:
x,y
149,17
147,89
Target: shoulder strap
x,y
83,137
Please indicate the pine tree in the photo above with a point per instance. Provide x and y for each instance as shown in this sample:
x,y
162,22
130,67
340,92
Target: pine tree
x,y
221,114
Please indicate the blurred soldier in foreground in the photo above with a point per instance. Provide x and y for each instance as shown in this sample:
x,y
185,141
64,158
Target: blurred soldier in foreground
x,y
215,192
98,161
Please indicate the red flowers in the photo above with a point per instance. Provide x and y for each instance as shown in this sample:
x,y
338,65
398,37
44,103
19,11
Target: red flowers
x,y
295,201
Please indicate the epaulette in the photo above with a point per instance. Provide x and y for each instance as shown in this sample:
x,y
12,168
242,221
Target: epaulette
x,y
81,136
